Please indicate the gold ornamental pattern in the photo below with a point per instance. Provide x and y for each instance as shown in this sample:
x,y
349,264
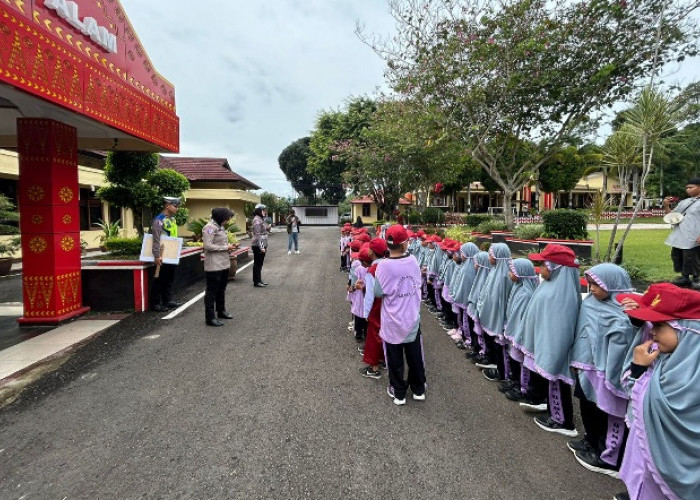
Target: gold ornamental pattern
x,y
39,290
67,219
36,193
67,243
38,245
65,194
37,219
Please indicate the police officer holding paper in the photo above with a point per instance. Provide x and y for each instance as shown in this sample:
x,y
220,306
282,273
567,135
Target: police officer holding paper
x,y
164,224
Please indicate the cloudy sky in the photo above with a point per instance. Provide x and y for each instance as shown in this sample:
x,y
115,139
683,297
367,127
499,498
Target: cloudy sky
x,y
251,77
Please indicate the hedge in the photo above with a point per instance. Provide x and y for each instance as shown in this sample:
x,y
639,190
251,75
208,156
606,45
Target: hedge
x,y
565,224
123,246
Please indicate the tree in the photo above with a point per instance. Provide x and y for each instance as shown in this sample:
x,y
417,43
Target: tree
x,y
275,204
293,161
533,70
136,183
654,115
8,213
563,170
332,129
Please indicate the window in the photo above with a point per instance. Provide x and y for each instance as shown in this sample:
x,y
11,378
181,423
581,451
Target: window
x,y
90,210
316,212
115,214
366,210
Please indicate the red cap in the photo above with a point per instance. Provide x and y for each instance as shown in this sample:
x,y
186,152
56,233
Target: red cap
x,y
378,246
364,253
559,254
396,234
664,302
355,245
364,238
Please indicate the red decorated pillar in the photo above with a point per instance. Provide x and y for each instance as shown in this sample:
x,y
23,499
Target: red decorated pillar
x,y
49,221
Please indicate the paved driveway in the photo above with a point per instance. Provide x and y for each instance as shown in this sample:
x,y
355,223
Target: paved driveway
x,y
273,406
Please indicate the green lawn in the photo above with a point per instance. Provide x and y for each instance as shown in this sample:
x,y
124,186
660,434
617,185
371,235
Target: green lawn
x,y
645,249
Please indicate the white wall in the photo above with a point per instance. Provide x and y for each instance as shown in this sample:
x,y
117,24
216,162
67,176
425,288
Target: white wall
x,y
331,218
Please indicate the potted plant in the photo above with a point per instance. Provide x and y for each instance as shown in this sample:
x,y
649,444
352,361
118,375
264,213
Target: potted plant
x,y
108,231
7,250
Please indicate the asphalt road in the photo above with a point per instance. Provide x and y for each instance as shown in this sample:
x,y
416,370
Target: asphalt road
x,y
273,406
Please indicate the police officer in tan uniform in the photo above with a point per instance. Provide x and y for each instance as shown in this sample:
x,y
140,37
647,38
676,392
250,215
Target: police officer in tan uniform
x,y
164,224
217,261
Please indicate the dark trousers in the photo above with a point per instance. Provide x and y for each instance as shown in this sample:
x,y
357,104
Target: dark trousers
x,y
360,327
607,434
162,288
494,352
258,259
431,295
215,295
561,406
537,387
686,262
413,352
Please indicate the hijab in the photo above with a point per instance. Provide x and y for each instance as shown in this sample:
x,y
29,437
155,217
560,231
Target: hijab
x,y
221,215
549,323
483,267
465,276
604,334
519,297
493,299
671,409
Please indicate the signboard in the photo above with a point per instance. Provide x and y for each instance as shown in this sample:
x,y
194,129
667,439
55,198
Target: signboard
x,y
171,249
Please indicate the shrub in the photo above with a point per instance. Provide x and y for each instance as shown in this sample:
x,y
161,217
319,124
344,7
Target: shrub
x,y
414,218
529,231
459,233
433,215
123,246
636,273
565,224
474,220
485,227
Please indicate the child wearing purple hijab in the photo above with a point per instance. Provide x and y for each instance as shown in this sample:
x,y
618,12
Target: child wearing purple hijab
x,y
662,457
549,328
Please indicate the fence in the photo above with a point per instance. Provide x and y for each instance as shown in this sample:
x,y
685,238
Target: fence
x,y
625,214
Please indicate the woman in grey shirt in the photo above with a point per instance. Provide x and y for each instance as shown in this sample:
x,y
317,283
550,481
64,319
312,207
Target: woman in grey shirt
x,y
216,263
259,244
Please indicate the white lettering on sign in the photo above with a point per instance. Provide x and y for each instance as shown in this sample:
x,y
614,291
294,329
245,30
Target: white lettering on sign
x,y
88,26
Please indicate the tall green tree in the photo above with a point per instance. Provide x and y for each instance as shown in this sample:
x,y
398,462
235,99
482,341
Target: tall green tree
x,y
293,161
135,182
535,70
332,129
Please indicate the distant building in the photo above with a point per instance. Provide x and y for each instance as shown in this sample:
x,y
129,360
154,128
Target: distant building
x,y
366,208
212,184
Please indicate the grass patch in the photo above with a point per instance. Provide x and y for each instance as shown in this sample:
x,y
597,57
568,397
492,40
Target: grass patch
x,y
645,249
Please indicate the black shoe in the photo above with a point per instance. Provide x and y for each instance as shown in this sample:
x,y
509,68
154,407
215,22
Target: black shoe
x,y
260,285
159,308
515,394
681,281
215,322
547,423
621,496
491,374
359,339
471,355
460,345
484,363
173,305
580,445
591,461
480,358
507,385
224,315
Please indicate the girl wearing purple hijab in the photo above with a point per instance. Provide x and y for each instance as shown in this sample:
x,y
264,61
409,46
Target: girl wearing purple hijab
x,y
662,457
525,281
491,308
482,266
604,334
549,328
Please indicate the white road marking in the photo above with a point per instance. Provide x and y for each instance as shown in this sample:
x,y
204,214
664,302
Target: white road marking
x,y
187,304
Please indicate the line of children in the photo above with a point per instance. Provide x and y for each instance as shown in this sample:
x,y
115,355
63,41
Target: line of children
x,y
385,291
632,360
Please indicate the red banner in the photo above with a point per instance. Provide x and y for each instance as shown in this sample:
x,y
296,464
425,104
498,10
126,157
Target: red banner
x,y
86,57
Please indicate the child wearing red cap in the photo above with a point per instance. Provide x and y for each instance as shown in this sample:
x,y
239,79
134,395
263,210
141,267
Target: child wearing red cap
x,y
397,283
662,458
356,296
372,354
548,332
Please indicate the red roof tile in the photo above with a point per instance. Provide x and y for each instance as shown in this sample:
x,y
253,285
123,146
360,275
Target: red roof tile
x,y
369,199
205,169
